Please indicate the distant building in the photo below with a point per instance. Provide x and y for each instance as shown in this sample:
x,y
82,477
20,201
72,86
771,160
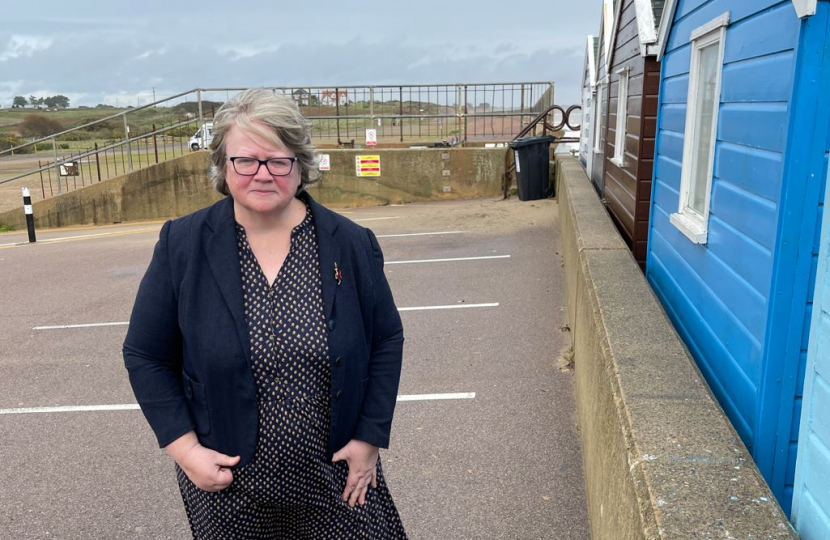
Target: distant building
x,y
330,97
301,97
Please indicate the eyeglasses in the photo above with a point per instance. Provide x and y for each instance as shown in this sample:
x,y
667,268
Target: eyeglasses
x,y
248,166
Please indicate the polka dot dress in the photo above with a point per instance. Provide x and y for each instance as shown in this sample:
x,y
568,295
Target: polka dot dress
x,y
289,490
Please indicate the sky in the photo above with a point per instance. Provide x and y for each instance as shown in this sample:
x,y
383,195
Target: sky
x,y
118,51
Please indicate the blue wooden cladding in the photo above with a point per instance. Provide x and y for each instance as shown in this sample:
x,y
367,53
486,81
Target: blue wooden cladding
x,y
742,301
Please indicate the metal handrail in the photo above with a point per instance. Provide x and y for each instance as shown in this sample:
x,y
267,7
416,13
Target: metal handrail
x,y
510,167
89,153
99,121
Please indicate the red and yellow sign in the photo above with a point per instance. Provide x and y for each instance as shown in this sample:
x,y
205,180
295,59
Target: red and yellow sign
x,y
367,165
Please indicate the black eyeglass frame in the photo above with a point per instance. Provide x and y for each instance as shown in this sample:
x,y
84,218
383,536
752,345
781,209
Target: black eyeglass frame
x,y
261,162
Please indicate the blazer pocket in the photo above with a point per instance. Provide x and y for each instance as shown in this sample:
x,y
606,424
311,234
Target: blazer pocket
x,y
197,399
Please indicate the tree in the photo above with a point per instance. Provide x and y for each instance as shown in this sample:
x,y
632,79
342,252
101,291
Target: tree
x,y
33,100
19,101
37,125
60,101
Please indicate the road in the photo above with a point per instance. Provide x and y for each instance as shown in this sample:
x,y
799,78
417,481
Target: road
x,y
484,444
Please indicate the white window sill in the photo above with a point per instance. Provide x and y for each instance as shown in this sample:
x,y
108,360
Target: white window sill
x,y
618,162
690,227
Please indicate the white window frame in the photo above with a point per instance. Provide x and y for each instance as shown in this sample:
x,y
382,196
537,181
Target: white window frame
x,y
622,113
691,223
598,119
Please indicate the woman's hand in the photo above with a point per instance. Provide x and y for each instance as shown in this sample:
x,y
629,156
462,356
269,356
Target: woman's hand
x,y
362,458
207,469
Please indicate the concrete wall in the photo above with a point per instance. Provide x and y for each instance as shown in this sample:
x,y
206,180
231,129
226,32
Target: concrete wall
x,y
412,175
661,459
180,186
173,188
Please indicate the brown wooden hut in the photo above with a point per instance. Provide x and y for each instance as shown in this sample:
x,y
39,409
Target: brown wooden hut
x,y
633,84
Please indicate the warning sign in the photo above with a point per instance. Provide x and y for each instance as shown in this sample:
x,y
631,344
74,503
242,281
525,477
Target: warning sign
x,y
371,137
70,168
367,165
325,162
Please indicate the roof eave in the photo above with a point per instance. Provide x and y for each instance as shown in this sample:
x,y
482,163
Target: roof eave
x,y
665,25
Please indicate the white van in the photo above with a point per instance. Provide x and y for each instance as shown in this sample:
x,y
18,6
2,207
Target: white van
x,y
202,138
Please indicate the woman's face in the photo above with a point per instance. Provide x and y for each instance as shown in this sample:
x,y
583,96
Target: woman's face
x,y
263,192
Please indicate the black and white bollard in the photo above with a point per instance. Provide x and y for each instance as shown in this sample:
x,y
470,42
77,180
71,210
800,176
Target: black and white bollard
x,y
30,219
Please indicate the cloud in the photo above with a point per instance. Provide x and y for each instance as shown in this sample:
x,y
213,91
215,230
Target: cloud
x,y
11,86
124,99
24,46
147,54
238,52
127,50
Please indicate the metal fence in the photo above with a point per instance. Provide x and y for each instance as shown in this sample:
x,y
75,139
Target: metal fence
x,y
340,115
417,113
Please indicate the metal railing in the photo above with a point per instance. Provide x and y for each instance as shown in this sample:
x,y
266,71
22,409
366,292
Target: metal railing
x,y
547,127
340,115
465,112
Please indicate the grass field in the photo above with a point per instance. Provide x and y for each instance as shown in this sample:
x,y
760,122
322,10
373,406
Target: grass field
x,y
70,118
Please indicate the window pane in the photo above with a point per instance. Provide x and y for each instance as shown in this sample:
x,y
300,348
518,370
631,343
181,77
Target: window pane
x,y
599,136
622,113
704,125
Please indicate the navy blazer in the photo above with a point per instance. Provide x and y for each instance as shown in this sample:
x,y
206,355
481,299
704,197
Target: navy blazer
x,y
188,353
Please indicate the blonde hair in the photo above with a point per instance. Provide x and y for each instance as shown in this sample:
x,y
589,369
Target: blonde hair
x,y
283,123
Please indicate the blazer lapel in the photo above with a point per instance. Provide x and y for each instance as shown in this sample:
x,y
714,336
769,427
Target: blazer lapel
x,y
221,249
325,224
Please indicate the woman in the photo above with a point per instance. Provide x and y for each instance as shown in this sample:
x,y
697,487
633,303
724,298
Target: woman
x,y
265,347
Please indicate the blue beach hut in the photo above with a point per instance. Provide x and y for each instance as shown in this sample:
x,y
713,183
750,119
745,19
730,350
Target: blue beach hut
x,y
811,492
742,140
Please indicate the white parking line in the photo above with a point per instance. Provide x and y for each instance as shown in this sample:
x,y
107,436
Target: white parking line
x,y
88,325
376,218
72,408
135,407
450,260
125,323
80,237
417,234
431,397
452,306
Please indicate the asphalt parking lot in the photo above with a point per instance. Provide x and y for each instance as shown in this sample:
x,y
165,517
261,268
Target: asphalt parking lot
x,y
484,445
